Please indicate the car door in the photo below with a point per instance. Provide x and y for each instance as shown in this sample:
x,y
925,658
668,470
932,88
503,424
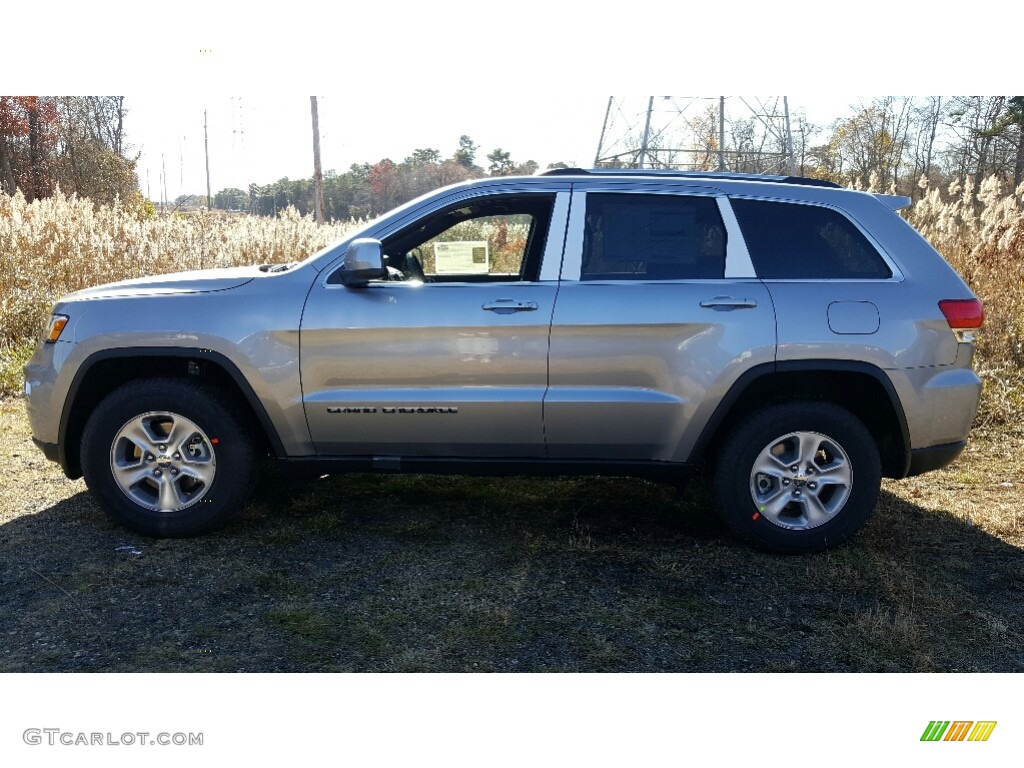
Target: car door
x,y
449,357
658,314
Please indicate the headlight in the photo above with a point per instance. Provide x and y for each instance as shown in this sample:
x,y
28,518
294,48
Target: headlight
x,y
55,328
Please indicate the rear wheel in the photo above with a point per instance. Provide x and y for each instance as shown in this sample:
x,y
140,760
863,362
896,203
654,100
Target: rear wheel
x,y
799,477
168,457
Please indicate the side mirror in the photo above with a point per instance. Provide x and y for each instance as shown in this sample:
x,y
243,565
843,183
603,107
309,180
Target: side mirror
x,y
364,261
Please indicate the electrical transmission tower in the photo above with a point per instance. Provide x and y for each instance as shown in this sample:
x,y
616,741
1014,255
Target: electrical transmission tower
x,y
741,134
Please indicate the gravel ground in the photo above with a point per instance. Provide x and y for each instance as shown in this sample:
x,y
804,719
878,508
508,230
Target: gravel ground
x,y
384,573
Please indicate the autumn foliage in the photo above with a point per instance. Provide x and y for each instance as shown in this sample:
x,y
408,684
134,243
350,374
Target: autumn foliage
x,y
72,142
27,140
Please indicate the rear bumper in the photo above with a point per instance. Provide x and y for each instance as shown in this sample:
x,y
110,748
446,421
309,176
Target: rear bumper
x,y
934,457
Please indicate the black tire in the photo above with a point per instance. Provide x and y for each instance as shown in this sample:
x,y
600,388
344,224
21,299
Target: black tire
x,y
216,445
814,515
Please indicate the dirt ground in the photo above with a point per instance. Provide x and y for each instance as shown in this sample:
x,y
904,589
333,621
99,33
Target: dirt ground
x,y
416,573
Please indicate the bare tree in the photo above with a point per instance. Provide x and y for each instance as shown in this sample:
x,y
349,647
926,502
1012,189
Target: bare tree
x,y
870,144
107,115
971,120
926,117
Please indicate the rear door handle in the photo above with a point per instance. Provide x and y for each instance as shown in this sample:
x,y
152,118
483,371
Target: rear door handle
x,y
508,306
728,303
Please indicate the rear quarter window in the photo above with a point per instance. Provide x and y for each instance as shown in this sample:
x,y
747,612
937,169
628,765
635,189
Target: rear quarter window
x,y
790,241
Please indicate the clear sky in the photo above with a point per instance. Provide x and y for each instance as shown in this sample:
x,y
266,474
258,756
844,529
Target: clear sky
x,y
260,137
532,77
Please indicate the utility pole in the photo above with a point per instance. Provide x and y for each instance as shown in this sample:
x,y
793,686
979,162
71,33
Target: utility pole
x,y
206,145
318,177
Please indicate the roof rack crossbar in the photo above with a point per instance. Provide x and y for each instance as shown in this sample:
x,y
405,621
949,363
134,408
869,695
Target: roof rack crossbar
x,y
688,174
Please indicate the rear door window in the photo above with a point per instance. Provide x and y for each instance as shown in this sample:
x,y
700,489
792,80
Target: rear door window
x,y
652,237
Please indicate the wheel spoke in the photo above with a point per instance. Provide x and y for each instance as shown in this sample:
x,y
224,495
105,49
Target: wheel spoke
x,y
769,464
837,495
155,438
170,497
770,495
809,446
200,470
836,473
180,432
814,511
773,508
129,475
838,480
136,433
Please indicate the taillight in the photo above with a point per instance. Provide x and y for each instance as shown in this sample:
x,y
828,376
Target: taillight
x,y
962,314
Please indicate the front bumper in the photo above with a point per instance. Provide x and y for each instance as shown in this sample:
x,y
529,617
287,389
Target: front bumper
x,y
55,452
52,451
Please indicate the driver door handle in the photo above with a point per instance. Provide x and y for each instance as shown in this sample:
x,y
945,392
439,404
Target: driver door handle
x,y
727,303
508,306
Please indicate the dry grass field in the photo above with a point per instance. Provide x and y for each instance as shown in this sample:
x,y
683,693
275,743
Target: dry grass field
x,y
416,573
61,244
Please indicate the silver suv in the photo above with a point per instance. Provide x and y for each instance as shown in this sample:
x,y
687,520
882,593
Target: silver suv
x,y
796,340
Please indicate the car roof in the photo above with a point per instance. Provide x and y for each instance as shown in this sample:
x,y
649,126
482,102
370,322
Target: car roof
x,y
669,173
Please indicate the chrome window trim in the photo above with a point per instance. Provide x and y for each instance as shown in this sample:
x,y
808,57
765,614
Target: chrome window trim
x,y
737,257
572,258
554,246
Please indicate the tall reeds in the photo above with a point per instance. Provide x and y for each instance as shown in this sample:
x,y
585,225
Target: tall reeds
x,y
63,243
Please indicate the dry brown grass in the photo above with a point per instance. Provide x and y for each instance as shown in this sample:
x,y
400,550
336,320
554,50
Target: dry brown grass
x,y
981,233
61,244
416,573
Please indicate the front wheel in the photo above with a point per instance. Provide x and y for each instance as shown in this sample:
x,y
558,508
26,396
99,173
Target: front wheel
x,y
799,477
168,457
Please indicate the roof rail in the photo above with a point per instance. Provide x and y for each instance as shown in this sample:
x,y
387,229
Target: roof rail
x,y
688,174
